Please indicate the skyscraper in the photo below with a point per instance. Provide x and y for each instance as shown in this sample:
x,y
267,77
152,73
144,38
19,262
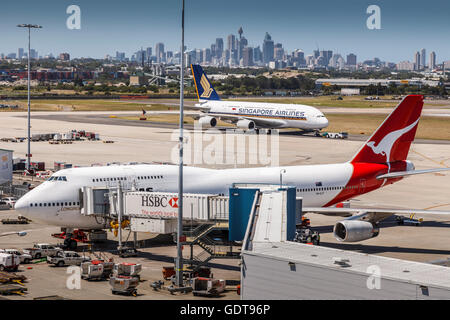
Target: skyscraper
x,y
351,59
247,57
159,51
423,58
268,48
219,47
231,48
432,62
20,53
417,60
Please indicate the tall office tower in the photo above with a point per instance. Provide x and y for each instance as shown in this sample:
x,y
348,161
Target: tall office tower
x,y
257,54
278,52
148,54
247,57
351,59
316,54
219,47
33,54
231,48
206,55
417,60
242,44
268,48
159,51
432,63
299,57
423,58
20,53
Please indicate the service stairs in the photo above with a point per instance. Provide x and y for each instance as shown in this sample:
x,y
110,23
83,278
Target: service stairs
x,y
211,248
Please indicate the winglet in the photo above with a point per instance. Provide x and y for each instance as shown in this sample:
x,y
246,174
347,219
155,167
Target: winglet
x,y
205,90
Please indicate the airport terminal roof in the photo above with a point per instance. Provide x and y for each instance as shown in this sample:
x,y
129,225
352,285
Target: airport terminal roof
x,y
396,269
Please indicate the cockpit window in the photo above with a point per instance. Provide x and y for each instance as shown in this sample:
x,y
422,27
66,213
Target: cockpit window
x,y
57,178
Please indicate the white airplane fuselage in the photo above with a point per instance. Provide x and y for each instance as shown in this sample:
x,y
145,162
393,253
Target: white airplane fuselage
x,y
57,201
268,115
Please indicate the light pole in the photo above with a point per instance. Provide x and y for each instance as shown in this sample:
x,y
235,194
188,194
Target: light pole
x,y
179,261
29,26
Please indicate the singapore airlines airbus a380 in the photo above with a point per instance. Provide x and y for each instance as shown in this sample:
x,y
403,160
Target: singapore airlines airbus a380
x,y
379,162
251,115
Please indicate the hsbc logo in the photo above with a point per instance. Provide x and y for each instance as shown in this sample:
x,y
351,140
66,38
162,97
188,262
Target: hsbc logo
x,y
173,202
159,201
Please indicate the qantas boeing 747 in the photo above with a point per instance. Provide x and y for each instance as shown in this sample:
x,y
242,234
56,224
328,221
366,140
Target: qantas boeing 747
x,y
381,161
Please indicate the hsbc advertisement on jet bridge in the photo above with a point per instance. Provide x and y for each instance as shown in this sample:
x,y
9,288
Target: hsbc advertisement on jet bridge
x,y
165,205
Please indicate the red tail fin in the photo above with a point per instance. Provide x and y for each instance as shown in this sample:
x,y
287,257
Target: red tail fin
x,y
391,141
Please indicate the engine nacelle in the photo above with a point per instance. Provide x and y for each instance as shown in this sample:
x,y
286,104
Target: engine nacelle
x,y
245,124
207,121
354,230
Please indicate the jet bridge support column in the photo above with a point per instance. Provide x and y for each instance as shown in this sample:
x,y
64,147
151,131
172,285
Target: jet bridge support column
x,y
120,213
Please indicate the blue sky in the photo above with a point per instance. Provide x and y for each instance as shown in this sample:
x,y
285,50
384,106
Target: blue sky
x,y
108,26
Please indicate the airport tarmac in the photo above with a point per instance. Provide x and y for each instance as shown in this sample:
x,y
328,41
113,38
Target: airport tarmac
x,y
425,243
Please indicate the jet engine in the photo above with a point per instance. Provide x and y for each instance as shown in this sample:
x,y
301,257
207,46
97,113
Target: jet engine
x,y
354,230
207,121
245,124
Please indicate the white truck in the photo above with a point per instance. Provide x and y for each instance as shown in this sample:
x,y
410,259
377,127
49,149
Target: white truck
x,y
23,257
67,258
42,250
9,262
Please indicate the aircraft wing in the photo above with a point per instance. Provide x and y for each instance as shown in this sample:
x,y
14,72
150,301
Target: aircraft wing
x,y
371,214
409,173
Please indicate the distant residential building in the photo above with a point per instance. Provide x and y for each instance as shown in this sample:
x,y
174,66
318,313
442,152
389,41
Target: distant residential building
x,y
137,80
351,59
432,62
64,57
268,48
406,66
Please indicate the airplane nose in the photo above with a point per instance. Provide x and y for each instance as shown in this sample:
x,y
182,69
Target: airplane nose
x,y
325,122
22,206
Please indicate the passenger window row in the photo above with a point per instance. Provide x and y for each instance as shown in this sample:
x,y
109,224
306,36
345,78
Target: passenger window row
x,y
149,177
109,179
55,204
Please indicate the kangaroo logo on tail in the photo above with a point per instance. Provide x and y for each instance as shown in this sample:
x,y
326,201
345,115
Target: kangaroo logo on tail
x,y
384,147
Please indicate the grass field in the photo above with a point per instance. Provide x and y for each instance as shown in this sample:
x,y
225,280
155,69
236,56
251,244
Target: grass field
x,y
86,105
331,101
429,127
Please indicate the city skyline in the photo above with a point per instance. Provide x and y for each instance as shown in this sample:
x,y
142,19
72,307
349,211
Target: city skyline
x,y
126,28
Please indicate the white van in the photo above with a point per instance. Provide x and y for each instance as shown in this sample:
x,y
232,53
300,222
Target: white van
x,y
9,262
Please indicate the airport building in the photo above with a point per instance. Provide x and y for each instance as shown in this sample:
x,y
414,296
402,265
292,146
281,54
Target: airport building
x,y
346,82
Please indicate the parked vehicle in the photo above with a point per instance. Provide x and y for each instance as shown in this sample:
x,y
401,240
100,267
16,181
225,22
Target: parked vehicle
x,y
67,258
23,257
9,262
42,250
4,205
11,201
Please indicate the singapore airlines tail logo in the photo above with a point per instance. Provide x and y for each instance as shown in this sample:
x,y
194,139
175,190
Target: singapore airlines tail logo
x,y
207,90
385,146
